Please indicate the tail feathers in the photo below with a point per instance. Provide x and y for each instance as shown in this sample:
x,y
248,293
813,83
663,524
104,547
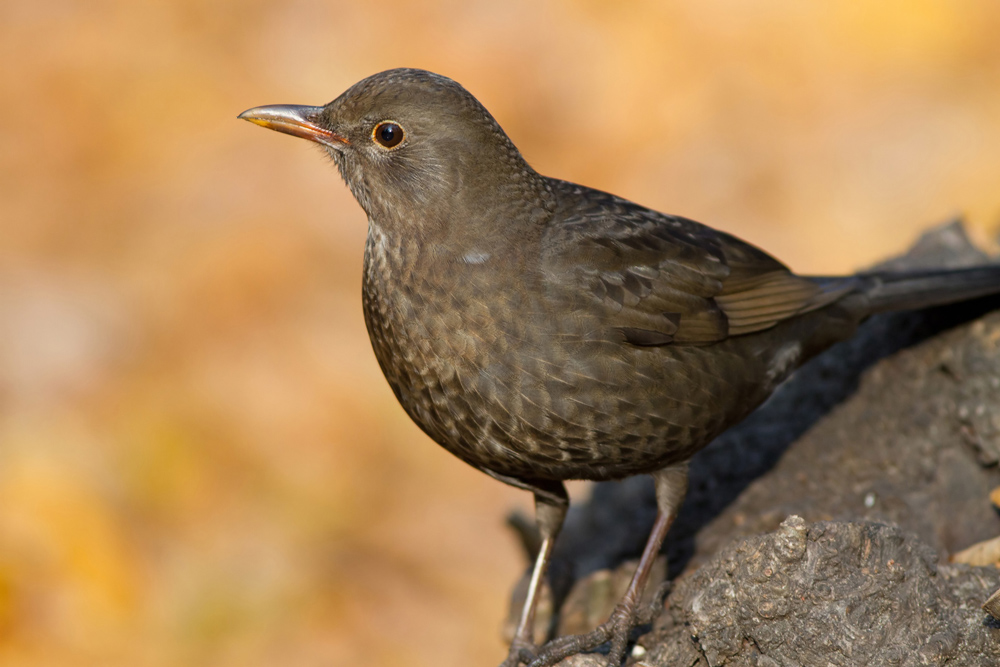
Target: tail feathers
x,y
925,289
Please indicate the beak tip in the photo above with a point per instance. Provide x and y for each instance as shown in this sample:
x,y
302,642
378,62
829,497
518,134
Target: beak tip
x,y
254,116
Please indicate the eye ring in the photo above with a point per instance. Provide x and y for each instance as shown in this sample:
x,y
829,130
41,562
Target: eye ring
x,y
388,134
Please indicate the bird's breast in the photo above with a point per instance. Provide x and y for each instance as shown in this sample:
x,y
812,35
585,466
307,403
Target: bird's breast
x,y
447,335
478,358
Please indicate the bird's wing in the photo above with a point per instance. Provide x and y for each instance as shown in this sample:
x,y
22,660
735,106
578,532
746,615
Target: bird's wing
x,y
660,279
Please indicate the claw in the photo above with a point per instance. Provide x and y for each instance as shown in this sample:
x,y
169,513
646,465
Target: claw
x,y
649,615
519,655
616,629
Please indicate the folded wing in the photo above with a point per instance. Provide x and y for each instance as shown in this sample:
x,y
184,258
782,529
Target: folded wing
x,y
662,280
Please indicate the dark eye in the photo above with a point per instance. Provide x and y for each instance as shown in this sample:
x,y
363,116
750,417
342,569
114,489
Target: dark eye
x,y
388,134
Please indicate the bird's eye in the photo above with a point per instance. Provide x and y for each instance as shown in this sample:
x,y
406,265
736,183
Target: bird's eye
x,y
387,134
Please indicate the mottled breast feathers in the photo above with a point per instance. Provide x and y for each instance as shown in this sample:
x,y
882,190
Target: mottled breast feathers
x,y
660,280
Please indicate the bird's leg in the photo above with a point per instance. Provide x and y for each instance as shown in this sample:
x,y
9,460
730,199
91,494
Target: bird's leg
x,y
671,486
550,510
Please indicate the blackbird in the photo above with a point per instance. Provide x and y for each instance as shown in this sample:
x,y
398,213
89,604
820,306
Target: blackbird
x,y
543,331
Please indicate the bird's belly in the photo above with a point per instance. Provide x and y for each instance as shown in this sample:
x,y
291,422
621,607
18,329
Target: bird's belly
x,y
520,398
465,378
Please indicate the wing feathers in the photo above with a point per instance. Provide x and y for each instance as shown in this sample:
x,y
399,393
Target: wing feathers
x,y
665,280
773,298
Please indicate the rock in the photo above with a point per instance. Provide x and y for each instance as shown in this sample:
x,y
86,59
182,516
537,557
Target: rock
x,y
895,452
828,593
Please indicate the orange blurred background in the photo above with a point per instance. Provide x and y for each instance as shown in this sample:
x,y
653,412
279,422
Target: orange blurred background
x,y
200,463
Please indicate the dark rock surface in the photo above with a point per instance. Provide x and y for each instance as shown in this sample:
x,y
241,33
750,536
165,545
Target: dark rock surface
x,y
828,594
913,446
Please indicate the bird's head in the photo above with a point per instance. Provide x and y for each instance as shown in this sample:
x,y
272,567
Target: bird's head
x,y
411,144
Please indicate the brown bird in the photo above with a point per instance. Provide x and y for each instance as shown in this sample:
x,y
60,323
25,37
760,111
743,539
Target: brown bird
x,y
543,331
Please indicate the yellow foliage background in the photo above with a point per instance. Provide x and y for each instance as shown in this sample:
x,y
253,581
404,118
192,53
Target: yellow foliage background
x,y
200,463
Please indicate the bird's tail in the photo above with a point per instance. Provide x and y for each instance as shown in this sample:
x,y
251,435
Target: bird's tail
x,y
924,289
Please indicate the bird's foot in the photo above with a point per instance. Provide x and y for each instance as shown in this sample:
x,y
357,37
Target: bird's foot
x,y
521,653
616,630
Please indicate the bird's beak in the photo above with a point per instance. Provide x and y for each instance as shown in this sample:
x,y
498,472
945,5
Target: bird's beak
x,y
296,120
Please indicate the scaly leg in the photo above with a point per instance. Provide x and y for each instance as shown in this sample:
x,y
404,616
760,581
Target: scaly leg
x,y
671,487
550,511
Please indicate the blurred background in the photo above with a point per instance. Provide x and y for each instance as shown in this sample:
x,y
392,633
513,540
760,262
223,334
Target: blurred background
x,y
200,463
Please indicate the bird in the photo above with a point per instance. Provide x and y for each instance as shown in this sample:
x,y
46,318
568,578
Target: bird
x,y
544,331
